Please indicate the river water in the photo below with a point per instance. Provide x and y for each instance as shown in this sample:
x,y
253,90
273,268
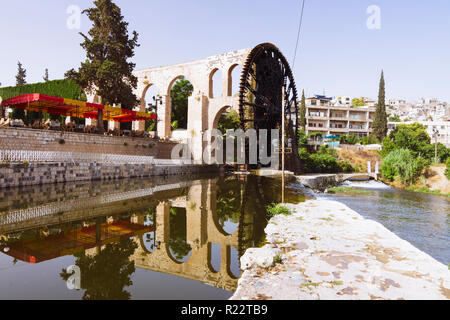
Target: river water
x,y
158,238
169,238
419,218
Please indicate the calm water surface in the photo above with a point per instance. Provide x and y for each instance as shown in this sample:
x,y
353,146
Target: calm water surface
x,y
159,238
419,218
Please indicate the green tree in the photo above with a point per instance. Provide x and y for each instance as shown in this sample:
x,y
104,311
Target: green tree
x,y
21,75
108,47
358,102
105,275
447,170
303,111
229,121
395,119
20,81
45,77
380,128
414,137
179,95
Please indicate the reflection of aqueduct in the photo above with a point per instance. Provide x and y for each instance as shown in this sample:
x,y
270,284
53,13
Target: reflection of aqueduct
x,y
203,231
204,109
118,200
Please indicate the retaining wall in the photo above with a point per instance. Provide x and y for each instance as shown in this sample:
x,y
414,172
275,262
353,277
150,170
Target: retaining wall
x,y
46,140
17,175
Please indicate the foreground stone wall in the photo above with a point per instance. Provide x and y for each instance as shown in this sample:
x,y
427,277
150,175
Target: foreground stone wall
x,y
327,251
18,175
45,140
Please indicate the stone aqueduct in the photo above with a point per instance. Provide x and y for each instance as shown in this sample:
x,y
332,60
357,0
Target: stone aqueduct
x,y
204,109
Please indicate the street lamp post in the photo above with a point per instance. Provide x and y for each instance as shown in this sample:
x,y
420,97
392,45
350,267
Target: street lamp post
x,y
156,99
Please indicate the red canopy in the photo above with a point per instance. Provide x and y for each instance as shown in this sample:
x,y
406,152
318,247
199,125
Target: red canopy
x,y
74,108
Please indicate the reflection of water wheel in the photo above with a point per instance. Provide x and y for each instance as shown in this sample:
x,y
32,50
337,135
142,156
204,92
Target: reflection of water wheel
x,y
252,220
267,84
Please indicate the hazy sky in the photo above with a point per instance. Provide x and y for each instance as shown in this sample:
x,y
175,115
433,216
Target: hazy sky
x,y
337,53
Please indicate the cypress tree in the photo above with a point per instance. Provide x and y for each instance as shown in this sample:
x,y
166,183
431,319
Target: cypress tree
x,y
46,79
303,111
380,128
108,48
21,75
20,81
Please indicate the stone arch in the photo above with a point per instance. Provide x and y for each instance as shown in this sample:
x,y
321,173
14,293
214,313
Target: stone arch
x,y
169,103
213,83
143,244
169,88
210,257
230,78
229,260
217,116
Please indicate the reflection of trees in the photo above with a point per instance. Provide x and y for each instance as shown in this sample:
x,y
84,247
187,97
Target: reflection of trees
x,y
228,206
178,235
105,275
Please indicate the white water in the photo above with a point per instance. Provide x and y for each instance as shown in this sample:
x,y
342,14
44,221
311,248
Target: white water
x,y
366,185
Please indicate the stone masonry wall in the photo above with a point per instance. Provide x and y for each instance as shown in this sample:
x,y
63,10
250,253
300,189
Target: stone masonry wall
x,y
45,140
17,175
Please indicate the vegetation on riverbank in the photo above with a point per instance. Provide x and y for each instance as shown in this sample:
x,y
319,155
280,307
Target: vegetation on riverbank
x,y
422,189
407,153
278,209
324,160
349,190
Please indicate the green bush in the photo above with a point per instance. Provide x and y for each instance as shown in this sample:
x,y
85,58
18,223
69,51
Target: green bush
x,y
401,164
324,161
447,171
349,139
369,140
278,209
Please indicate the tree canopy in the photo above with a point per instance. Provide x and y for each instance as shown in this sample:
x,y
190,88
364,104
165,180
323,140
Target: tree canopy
x,y
179,95
108,47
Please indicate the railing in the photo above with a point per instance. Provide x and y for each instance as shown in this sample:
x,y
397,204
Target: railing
x,y
30,156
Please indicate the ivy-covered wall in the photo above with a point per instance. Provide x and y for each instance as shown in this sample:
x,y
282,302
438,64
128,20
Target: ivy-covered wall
x,y
57,88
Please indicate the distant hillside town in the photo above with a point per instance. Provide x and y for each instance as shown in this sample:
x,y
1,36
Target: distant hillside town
x,y
336,116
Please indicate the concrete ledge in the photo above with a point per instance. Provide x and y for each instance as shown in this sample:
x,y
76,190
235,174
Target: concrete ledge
x,y
330,252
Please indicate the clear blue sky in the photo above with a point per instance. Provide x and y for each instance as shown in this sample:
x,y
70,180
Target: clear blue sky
x,y
338,53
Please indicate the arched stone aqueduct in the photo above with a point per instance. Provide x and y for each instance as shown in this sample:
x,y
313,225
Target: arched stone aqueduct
x,y
204,109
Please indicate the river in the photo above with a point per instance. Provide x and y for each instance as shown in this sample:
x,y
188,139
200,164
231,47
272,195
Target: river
x,y
169,238
419,218
156,238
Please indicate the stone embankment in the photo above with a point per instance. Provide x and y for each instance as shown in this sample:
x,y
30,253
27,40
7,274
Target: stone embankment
x,y
19,175
325,250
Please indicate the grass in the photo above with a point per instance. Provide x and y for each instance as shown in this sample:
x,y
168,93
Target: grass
x,y
278,209
277,259
426,190
350,190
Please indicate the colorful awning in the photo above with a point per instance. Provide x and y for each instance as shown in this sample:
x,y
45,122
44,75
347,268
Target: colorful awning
x,y
73,108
